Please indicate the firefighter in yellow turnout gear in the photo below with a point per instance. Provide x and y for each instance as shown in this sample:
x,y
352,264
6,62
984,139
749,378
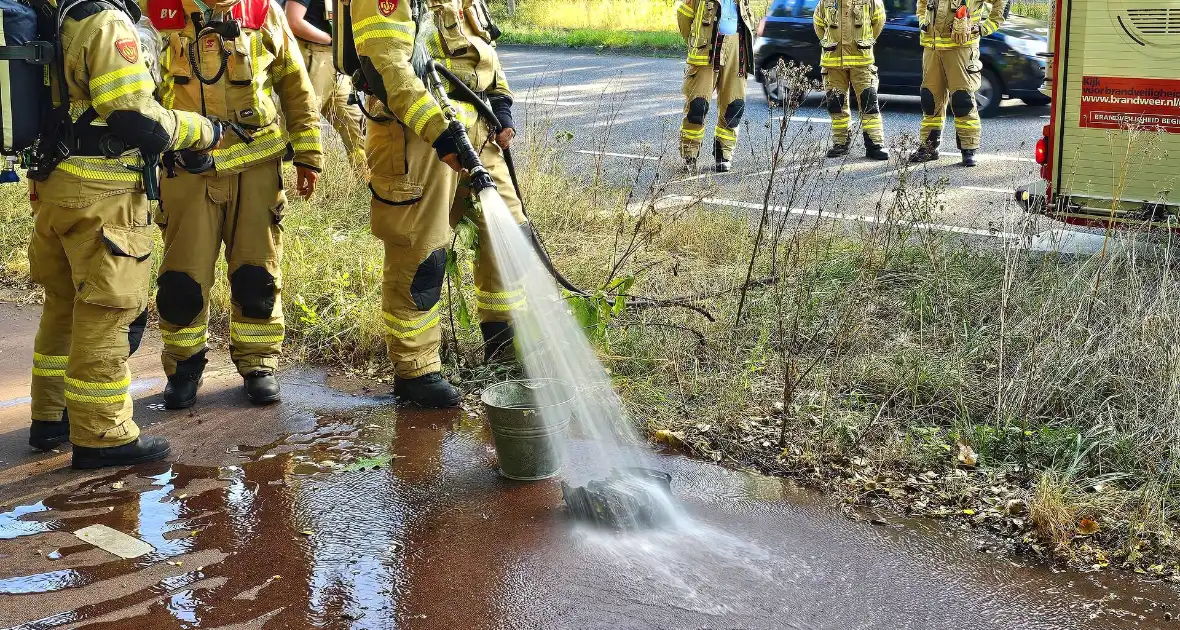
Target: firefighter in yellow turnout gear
x,y
951,70
419,195
92,238
720,57
848,30
311,22
229,60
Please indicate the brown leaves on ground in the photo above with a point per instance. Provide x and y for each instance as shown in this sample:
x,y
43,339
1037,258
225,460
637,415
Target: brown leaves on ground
x,y
967,455
1088,527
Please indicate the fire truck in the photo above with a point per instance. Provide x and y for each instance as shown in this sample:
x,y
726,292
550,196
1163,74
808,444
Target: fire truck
x,y
1110,155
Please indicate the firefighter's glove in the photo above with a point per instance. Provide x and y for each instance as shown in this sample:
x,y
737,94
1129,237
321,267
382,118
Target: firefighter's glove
x,y
195,162
218,132
448,150
961,27
502,107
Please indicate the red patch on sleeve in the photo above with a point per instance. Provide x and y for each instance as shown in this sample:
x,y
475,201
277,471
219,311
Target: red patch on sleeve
x,y
166,15
128,48
387,7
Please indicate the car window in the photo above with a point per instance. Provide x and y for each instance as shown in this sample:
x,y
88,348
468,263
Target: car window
x,y
782,8
900,8
807,7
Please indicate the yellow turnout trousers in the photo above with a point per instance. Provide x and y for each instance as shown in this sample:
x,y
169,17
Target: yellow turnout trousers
x,y
94,263
951,76
728,81
864,83
331,91
417,201
197,214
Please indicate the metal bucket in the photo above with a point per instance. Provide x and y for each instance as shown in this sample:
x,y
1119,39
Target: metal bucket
x,y
529,419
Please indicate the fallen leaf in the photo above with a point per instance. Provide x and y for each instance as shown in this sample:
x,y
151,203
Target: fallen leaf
x,y
307,532
672,438
967,456
1088,527
968,511
117,485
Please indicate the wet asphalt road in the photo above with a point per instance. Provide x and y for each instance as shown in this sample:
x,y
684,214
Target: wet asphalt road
x,y
334,509
624,116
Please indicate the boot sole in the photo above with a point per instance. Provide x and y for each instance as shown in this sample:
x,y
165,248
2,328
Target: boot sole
x,y
406,402
106,463
48,445
269,400
184,404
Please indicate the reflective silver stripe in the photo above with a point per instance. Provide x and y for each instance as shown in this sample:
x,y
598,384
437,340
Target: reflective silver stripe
x,y
6,97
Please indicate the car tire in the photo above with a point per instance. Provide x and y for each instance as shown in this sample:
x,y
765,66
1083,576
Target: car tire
x,y
1037,101
769,84
990,95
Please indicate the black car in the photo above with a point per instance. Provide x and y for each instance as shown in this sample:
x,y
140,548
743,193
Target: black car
x,y
1011,65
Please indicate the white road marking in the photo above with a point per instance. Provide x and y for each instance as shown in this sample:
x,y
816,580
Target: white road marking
x,y
620,155
536,65
716,174
957,229
1005,191
803,119
989,157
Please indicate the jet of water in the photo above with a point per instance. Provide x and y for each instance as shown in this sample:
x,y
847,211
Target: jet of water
x,y
553,345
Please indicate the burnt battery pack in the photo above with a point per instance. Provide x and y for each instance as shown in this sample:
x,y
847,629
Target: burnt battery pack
x,y
627,499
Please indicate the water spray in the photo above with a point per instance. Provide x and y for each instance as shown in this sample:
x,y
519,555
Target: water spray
x,y
628,498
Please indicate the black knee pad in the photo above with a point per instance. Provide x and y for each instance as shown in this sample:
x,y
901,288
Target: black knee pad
x,y
253,289
835,102
868,101
928,102
698,108
135,332
179,299
962,102
426,289
734,112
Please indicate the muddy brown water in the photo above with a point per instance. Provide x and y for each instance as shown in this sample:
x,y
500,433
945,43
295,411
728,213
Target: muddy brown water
x,y
379,519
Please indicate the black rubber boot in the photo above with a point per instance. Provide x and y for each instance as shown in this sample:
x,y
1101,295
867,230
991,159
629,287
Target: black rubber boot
x,y
430,390
838,150
147,448
497,342
262,387
690,165
181,390
874,151
925,153
968,158
45,435
724,166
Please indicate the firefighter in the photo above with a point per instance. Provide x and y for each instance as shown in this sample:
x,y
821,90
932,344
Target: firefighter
x,y
950,34
419,192
720,57
847,31
226,60
311,23
92,238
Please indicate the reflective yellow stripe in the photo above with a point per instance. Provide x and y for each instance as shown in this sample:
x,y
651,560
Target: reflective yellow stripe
x,y
840,123
684,9
104,400
306,140
871,123
378,27
967,124
402,328
725,134
420,113
50,360
241,331
121,82
185,337
692,134
267,145
122,384
96,399
100,169
500,307
49,372
932,122
499,294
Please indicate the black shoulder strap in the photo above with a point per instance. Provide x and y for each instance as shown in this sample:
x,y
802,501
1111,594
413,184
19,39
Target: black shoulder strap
x,y
39,53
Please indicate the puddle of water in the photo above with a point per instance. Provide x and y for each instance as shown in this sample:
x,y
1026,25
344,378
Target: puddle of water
x,y
372,521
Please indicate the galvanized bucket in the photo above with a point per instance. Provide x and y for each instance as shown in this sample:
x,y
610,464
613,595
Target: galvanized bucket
x,y
529,420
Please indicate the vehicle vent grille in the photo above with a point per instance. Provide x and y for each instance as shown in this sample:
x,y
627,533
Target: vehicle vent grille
x,y
1156,21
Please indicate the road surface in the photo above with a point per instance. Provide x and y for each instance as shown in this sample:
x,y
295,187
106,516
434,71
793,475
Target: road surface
x,y
620,116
